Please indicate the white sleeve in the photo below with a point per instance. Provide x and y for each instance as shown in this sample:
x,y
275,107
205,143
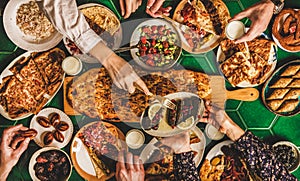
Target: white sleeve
x,y
70,22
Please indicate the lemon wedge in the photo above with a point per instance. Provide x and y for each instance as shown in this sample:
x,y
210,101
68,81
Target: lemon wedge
x,y
187,124
154,108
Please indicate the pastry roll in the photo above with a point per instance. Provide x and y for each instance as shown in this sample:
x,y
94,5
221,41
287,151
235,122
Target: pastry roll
x,y
288,105
278,94
291,70
295,83
275,104
292,94
282,83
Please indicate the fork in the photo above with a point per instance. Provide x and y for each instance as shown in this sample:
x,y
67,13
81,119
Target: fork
x,y
162,100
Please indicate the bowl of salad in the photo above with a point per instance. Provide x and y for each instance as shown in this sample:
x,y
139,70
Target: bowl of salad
x,y
157,45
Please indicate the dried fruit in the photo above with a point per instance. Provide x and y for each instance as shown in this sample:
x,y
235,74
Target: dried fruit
x,y
48,137
58,136
43,121
62,126
54,118
30,133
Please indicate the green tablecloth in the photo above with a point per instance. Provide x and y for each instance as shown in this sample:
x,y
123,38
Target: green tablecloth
x,y
252,116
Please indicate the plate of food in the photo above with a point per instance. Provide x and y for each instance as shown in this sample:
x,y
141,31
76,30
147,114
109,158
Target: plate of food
x,y
158,45
29,82
28,27
206,19
50,163
223,162
281,91
288,154
285,30
197,142
54,128
247,64
157,120
104,22
158,160
95,149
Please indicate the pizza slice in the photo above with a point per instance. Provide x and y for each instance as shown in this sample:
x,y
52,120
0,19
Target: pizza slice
x,y
82,93
49,64
21,104
102,146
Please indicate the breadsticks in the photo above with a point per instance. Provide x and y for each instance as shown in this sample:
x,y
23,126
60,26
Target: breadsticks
x,y
286,29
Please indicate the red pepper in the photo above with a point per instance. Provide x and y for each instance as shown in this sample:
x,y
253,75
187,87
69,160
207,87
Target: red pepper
x,y
165,44
153,42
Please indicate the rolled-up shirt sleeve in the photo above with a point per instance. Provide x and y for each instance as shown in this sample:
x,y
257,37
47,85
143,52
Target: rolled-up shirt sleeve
x,y
70,22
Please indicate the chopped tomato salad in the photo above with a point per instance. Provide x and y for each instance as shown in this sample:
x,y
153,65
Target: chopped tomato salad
x,y
157,45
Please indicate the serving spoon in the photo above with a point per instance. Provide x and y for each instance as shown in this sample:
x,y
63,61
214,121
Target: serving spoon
x,y
124,49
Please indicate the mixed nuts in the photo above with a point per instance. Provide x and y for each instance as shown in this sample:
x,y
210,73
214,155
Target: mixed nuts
x,y
55,121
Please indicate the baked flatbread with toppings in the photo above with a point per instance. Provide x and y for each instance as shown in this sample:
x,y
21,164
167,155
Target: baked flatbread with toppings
x,y
102,143
29,88
81,93
243,66
114,104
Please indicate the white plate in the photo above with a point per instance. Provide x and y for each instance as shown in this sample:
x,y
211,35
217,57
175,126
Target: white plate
x,y
86,57
40,129
211,44
164,130
80,156
197,147
279,27
136,36
14,33
6,72
272,60
216,150
36,154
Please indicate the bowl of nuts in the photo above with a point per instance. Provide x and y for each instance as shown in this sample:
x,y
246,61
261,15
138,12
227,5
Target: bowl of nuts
x,y
54,128
288,154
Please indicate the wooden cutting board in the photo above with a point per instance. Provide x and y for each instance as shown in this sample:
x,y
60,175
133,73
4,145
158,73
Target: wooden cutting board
x,y
220,94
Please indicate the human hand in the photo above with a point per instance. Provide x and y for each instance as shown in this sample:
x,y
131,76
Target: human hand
x,y
119,70
216,117
179,143
10,153
123,74
155,8
220,120
260,15
129,6
129,169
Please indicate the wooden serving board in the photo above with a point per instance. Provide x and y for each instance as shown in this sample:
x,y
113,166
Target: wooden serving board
x,y
68,109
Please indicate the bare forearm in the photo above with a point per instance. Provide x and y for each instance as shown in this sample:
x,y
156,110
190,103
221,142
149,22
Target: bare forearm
x,y
233,131
4,173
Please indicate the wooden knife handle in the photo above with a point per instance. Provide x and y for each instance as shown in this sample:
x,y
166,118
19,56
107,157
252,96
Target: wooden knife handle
x,y
246,94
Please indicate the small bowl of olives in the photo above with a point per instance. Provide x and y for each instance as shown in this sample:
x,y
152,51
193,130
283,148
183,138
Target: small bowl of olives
x,y
288,154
